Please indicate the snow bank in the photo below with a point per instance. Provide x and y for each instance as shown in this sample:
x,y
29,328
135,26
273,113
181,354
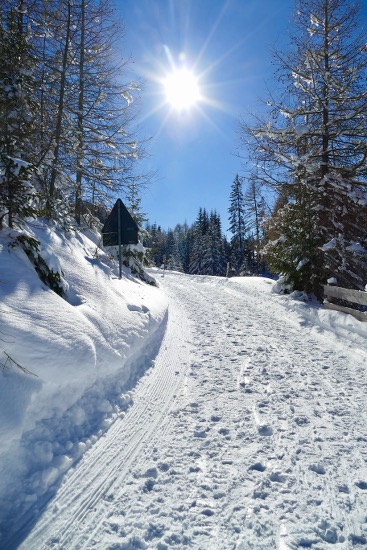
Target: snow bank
x,y
82,354
310,312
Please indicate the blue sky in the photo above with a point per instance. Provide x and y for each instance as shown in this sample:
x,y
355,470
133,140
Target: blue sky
x,y
227,44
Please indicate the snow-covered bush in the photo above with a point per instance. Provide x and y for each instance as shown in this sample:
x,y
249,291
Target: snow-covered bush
x,y
50,277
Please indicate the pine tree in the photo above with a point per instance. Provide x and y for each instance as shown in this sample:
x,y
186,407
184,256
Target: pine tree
x,y
313,149
255,214
237,224
133,196
199,242
17,119
184,240
207,245
157,245
214,261
201,249
172,253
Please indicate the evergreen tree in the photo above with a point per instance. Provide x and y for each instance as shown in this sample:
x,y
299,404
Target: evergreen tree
x,y
214,262
207,254
157,245
133,196
255,214
199,243
237,224
184,240
172,253
313,149
18,114
201,249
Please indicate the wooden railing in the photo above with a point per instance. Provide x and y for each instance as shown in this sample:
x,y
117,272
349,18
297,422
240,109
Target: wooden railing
x,y
354,296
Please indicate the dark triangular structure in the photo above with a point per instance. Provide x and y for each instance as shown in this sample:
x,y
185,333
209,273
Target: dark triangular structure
x,y
120,221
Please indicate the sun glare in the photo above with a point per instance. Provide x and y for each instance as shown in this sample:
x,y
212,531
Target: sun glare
x,y
182,89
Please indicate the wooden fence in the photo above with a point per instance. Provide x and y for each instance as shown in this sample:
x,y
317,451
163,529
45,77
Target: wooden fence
x,y
354,296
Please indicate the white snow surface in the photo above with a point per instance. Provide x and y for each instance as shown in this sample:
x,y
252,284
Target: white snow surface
x,y
249,431
85,354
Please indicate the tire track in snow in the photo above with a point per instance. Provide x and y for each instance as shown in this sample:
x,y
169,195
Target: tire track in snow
x,y
75,512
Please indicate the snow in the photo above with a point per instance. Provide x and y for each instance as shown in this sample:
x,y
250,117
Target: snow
x,y
329,246
127,96
248,431
85,352
356,248
315,20
302,129
18,165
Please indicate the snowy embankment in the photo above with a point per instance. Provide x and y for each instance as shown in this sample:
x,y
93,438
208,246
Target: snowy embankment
x,y
83,352
250,432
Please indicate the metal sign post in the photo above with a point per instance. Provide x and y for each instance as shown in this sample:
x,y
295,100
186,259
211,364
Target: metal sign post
x,y
119,229
119,235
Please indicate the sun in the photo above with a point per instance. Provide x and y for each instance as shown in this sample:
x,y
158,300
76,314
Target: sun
x,y
182,89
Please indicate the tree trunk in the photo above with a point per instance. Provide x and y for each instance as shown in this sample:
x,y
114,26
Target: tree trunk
x,y
79,169
326,92
60,112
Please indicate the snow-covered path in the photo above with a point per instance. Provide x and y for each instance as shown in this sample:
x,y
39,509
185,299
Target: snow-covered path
x,y
249,432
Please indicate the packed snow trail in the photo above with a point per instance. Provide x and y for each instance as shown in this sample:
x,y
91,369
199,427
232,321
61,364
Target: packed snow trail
x,y
250,432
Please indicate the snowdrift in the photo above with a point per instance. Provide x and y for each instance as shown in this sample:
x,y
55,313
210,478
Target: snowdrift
x,y
81,354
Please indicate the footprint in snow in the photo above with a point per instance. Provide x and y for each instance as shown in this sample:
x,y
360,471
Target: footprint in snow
x,y
265,430
151,472
148,485
258,467
219,494
301,420
277,478
260,494
357,539
139,309
207,512
200,433
317,468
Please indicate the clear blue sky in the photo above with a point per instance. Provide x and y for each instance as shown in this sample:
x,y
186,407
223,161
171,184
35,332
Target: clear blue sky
x,y
228,45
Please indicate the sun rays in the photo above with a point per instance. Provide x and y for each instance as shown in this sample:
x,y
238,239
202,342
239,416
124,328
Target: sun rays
x,y
179,85
181,89
180,92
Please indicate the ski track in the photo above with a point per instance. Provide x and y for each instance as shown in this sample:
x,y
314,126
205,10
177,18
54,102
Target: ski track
x,y
250,432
